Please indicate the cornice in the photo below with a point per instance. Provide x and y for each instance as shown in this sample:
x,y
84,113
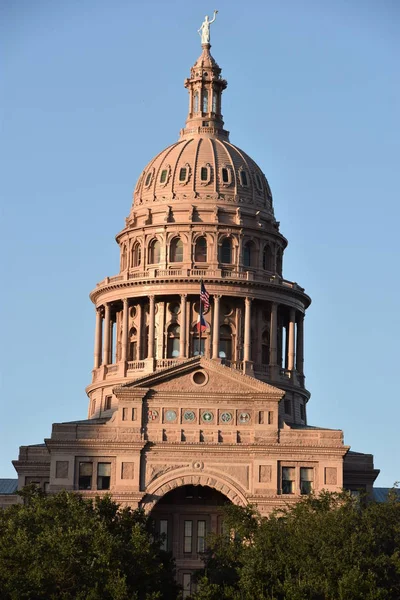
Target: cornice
x,y
161,282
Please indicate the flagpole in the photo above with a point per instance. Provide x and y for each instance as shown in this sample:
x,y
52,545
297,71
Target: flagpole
x,y
201,318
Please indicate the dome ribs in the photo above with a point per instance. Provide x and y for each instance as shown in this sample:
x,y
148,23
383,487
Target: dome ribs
x,y
178,165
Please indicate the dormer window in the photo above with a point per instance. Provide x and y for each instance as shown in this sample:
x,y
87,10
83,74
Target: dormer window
x,y
163,176
205,174
182,174
259,182
226,176
148,179
243,179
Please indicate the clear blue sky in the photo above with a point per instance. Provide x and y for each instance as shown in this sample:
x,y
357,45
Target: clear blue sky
x,y
92,89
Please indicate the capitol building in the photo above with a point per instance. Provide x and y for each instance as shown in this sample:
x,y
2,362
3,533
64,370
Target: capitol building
x,y
197,401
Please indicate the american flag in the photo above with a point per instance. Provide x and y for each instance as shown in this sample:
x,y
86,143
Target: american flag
x,y
205,299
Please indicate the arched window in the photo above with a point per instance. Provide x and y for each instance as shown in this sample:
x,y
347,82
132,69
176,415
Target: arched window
x,y
214,102
198,343
225,342
196,102
226,251
176,250
268,258
279,257
123,258
173,335
265,348
154,252
248,254
132,350
200,250
136,254
205,101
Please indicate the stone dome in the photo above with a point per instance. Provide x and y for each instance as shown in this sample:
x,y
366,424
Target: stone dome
x,y
204,166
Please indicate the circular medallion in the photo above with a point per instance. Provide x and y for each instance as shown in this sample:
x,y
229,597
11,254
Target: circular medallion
x,y
152,414
189,416
244,417
226,417
207,417
170,415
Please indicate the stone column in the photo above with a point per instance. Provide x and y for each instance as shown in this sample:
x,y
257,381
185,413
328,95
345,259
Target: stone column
x,y
182,339
216,312
300,344
291,344
98,338
125,327
112,342
273,341
139,332
151,327
247,329
106,347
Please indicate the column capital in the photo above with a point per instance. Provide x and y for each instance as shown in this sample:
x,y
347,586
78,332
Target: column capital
x,y
183,296
125,301
217,296
249,299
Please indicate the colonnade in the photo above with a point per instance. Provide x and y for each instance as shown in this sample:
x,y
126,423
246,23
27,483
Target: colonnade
x,y
290,349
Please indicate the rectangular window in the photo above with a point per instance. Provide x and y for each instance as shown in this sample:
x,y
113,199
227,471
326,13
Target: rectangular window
x,y
302,412
107,403
187,585
201,536
204,174
288,474
103,476
188,534
163,177
306,480
85,476
124,414
164,533
288,408
182,174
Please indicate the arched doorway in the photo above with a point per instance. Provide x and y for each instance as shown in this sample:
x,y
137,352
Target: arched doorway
x,y
186,515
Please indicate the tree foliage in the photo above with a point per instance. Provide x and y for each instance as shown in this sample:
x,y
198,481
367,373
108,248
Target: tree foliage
x,y
330,547
66,547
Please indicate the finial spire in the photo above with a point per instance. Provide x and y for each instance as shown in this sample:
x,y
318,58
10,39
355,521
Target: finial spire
x,y
204,30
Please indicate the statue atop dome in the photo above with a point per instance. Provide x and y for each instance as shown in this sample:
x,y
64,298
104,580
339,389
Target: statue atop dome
x,y
204,30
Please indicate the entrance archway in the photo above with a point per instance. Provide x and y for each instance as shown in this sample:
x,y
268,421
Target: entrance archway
x,y
185,516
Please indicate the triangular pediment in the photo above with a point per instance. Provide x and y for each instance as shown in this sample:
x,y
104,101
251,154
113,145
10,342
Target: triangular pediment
x,y
203,376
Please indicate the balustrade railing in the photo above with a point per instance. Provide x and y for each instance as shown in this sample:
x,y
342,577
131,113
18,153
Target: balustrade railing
x,y
136,365
243,275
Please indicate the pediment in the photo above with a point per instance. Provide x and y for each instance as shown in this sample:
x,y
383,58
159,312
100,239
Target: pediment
x,y
202,376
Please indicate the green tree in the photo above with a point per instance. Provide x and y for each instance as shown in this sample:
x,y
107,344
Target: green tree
x,y
330,547
66,547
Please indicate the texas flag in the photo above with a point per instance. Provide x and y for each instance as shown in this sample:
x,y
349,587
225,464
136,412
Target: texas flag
x,y
201,324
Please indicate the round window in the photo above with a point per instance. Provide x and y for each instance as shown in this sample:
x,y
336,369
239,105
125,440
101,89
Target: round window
x,y
199,378
133,312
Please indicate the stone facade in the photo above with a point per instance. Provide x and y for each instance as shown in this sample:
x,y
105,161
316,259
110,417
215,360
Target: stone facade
x,y
180,422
